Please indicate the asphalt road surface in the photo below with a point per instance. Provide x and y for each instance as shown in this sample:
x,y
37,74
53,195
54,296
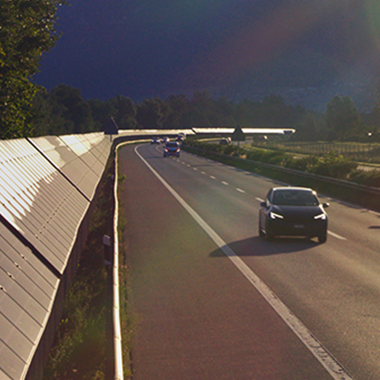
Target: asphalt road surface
x,y
211,300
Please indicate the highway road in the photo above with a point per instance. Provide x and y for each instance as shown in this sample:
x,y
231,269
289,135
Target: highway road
x,y
211,300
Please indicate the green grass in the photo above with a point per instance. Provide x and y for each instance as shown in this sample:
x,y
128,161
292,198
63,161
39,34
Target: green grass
x,y
80,341
81,350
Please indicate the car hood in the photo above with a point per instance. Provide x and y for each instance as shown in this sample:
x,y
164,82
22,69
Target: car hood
x,y
298,211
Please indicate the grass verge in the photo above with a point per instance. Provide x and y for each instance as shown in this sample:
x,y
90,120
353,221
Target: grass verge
x,y
80,346
354,196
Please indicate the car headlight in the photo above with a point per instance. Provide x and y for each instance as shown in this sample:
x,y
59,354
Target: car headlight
x,y
275,216
320,216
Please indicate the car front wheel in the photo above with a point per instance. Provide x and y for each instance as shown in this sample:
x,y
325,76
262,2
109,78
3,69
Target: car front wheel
x,y
322,238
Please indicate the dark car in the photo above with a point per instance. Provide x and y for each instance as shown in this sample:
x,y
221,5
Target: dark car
x,y
225,141
293,211
171,149
155,140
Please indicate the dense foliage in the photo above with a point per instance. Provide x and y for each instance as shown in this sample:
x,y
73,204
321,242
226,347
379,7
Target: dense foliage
x,y
329,164
27,30
63,111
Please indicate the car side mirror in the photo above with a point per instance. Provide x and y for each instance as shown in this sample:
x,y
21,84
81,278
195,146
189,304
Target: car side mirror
x,y
325,205
263,204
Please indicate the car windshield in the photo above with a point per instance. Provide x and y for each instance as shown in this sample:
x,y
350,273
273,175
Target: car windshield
x,y
172,145
294,198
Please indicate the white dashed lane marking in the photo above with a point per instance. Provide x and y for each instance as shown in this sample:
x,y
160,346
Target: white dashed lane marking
x,y
332,366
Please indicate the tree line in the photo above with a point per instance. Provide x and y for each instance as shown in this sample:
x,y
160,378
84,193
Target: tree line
x,y
28,30
63,111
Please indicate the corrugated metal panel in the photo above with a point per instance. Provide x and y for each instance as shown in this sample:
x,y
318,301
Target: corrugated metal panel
x,y
93,150
27,291
62,156
46,186
80,157
101,145
37,200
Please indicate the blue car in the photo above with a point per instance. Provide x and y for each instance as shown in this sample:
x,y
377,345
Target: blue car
x,y
171,148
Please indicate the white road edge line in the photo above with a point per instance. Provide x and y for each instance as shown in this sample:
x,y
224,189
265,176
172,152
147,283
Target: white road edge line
x,y
336,235
333,367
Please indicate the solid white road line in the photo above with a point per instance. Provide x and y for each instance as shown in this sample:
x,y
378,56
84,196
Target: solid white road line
x,y
331,365
336,235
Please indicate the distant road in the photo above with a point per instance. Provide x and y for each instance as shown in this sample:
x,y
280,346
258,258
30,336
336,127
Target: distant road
x,y
209,298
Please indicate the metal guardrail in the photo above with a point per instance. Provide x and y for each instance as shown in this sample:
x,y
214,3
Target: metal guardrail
x,y
118,352
330,180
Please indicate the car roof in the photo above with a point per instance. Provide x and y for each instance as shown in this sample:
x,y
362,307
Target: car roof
x,y
292,188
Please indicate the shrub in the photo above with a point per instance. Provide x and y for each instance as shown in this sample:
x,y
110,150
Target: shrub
x,y
301,164
367,178
333,165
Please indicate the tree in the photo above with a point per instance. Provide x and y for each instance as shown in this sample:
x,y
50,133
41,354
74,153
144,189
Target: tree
x,y
179,111
306,128
27,30
342,117
202,105
125,116
101,112
152,113
67,102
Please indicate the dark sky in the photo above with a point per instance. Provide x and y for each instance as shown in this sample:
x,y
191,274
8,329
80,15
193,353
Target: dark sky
x,y
147,48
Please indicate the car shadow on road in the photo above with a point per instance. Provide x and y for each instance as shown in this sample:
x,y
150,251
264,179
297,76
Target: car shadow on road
x,y
256,246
